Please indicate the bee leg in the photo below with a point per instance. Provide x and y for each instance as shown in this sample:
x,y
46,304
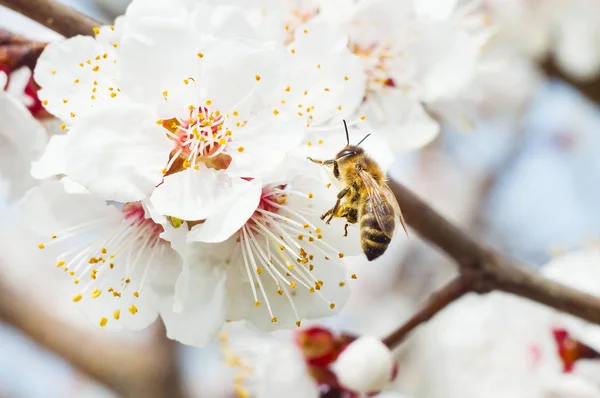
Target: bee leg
x,y
334,210
325,162
346,230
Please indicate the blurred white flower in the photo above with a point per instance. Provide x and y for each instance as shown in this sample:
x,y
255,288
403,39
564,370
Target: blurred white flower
x,y
567,29
112,255
22,137
266,256
479,346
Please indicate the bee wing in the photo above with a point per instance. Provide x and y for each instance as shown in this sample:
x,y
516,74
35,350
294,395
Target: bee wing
x,y
379,196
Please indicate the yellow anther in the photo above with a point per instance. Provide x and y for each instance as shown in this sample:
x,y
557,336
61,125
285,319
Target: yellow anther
x,y
222,141
259,271
133,310
96,68
72,114
77,297
76,281
45,102
353,276
96,30
240,149
208,102
290,267
363,117
298,323
113,95
293,284
65,101
280,292
105,55
41,246
103,321
186,81
117,314
293,51
312,290
341,255
96,293
200,55
63,126
257,77
288,88
60,263
274,319
281,247
53,72
346,78
332,306
257,303
320,142
136,294
342,284
310,195
326,89
275,112
115,45
76,81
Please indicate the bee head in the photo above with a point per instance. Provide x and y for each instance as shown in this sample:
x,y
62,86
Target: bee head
x,y
350,151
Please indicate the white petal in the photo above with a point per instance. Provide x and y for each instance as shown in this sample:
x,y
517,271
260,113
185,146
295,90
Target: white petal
x,y
365,366
158,51
243,61
118,152
264,143
52,162
401,120
197,312
231,217
195,194
49,208
435,9
66,72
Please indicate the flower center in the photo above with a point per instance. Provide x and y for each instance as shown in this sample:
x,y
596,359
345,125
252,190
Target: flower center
x,y
375,59
281,248
201,138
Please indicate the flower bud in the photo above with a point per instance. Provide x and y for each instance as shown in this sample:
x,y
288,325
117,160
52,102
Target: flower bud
x,y
365,366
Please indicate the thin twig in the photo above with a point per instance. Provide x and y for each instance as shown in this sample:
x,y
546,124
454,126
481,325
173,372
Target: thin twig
x,y
449,293
53,15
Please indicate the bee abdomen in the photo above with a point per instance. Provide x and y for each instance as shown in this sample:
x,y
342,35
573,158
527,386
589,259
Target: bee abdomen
x,y
374,241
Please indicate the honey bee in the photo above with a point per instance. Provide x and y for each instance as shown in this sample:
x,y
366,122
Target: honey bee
x,y
367,198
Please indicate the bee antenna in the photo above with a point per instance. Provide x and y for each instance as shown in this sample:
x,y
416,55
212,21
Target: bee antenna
x,y
361,141
347,135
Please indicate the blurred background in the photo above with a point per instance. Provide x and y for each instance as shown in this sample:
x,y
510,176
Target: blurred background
x,y
526,180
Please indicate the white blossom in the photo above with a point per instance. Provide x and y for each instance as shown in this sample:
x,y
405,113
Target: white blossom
x,y
111,255
265,256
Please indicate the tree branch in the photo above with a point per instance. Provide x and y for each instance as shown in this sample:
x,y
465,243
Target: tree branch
x,y
484,269
147,370
53,15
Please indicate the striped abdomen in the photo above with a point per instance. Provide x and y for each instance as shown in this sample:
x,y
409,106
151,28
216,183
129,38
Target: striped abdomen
x,y
375,238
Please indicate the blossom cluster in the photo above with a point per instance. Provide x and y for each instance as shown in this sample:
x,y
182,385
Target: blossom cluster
x,y
178,185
